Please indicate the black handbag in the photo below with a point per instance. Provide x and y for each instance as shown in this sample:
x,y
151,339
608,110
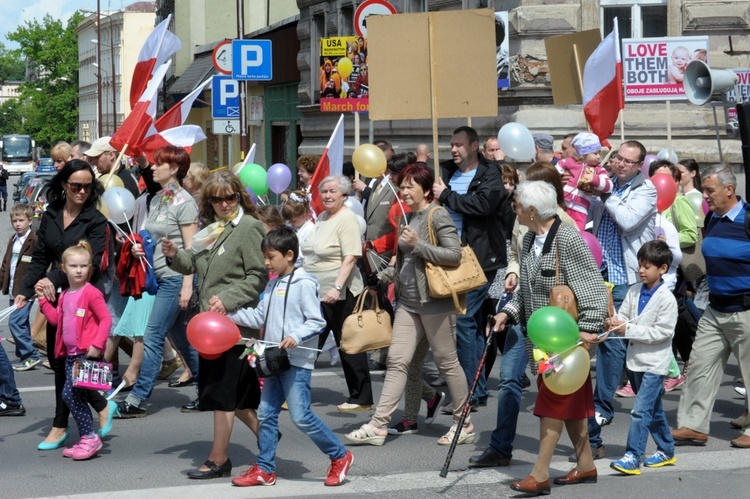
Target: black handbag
x,y
274,360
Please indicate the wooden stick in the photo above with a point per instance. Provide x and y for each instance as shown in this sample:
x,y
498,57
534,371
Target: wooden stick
x,y
356,139
433,98
578,69
118,164
622,125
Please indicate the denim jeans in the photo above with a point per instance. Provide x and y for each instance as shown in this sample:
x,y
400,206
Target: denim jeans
x,y
294,387
8,390
647,416
512,370
20,329
166,316
610,361
470,339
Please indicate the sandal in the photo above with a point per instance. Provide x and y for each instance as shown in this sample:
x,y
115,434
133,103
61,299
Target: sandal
x,y
347,407
365,435
467,435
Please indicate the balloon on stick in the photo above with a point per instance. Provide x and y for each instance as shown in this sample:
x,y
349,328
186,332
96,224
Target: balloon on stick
x,y
254,176
650,158
369,160
109,180
668,155
212,333
120,204
593,243
516,141
572,376
278,177
354,205
666,190
552,329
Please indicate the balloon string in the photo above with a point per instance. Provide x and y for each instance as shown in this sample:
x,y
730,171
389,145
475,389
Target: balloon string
x,y
398,200
275,343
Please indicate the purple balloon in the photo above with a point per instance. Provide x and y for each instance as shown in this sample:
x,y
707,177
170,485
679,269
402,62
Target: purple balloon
x,y
593,243
253,197
279,177
650,158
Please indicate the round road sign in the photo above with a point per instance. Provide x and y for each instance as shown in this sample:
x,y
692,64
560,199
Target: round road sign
x,y
222,57
369,8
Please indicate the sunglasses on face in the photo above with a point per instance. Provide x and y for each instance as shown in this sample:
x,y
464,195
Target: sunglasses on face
x,y
78,187
226,199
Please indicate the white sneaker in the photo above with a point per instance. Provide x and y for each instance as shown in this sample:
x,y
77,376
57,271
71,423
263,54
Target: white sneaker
x,y
741,390
26,365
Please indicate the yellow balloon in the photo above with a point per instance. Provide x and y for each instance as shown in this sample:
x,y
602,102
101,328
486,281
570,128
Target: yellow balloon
x,y
345,67
369,160
110,180
103,208
572,376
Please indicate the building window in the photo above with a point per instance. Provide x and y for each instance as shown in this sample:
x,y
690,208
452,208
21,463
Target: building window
x,y
635,18
346,21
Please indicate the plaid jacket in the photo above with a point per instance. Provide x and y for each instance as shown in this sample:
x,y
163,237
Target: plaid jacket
x,y
577,270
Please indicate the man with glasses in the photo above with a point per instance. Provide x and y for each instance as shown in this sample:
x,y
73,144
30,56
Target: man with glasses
x,y
623,222
103,156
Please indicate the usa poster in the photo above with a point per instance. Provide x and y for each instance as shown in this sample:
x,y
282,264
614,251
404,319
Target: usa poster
x,y
344,81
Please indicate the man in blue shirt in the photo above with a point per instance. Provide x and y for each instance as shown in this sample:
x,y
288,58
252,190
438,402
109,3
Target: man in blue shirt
x,y
723,328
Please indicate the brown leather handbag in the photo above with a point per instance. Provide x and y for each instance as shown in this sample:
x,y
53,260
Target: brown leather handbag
x,y
366,330
561,295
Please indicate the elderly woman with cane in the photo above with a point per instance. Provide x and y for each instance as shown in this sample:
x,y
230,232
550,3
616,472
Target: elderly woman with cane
x,y
547,238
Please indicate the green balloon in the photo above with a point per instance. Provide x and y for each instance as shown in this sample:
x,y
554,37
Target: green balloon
x,y
552,329
254,177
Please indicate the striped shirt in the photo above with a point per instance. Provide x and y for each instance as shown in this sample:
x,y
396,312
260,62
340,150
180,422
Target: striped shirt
x,y
459,183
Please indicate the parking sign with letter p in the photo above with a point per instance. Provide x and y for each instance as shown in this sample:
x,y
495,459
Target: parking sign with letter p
x,y
252,60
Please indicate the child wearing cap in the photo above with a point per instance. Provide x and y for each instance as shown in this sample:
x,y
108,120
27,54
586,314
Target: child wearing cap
x,y
587,176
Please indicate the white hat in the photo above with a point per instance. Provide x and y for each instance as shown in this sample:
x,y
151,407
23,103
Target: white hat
x,y
100,146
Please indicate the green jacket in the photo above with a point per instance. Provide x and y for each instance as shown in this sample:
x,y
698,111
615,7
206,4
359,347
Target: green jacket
x,y
687,230
234,269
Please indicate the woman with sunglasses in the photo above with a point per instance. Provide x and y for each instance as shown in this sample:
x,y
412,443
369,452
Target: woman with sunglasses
x,y
227,257
173,214
71,216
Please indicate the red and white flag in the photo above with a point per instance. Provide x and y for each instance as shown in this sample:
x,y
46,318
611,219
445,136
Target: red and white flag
x,y
141,119
185,136
603,97
249,159
178,113
160,45
331,163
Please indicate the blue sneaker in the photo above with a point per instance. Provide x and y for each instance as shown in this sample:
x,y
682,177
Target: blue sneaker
x,y
628,464
658,460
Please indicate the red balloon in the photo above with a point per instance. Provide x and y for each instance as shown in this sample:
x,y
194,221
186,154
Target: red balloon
x,y
212,333
210,357
666,190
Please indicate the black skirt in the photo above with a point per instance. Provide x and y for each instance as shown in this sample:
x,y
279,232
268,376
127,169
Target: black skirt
x,y
228,383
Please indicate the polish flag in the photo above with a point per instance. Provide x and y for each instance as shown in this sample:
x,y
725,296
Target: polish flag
x,y
185,136
160,45
178,113
140,121
602,87
249,160
331,163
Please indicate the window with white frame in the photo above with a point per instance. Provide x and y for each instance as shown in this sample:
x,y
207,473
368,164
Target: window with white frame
x,y
635,18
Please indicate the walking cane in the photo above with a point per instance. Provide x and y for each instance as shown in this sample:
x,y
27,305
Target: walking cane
x,y
467,405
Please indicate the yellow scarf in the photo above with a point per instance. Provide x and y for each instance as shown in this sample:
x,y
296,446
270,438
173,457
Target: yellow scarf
x,y
207,237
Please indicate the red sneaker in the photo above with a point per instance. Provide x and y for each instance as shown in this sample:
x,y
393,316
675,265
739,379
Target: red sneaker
x,y
254,476
338,470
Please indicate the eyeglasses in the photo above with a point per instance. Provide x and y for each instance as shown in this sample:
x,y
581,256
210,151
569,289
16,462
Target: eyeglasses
x,y
232,198
78,187
627,162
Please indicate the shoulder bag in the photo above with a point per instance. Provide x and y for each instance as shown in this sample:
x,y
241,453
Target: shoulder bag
x,y
366,330
274,360
561,295
452,282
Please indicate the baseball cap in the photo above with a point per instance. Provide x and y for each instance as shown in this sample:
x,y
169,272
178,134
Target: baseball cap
x,y
100,146
544,140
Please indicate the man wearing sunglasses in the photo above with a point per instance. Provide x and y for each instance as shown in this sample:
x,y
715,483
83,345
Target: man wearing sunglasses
x,y
103,156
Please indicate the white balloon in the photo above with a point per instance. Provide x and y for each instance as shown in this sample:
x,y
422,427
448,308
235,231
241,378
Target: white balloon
x,y
120,204
516,141
669,155
355,205
362,226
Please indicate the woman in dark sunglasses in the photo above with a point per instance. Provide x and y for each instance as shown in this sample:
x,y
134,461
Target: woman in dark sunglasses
x,y
70,217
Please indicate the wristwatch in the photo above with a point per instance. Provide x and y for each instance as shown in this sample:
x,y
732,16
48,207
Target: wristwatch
x,y
337,287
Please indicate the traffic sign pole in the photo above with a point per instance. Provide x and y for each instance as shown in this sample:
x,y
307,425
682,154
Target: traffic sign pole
x,y
244,143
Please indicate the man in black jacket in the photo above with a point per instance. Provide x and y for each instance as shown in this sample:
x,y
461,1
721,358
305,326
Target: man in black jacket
x,y
471,189
4,187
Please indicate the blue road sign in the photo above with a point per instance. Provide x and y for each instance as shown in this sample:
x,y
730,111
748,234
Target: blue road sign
x,y
225,97
252,60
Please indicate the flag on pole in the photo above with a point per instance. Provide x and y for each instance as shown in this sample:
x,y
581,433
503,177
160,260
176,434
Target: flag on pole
x,y
602,86
160,45
331,163
249,159
141,119
178,113
185,136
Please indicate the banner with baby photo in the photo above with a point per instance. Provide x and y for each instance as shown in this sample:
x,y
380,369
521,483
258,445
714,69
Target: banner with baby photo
x,y
653,68
344,81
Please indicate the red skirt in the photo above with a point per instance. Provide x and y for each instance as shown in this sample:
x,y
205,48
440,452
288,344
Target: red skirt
x,y
577,405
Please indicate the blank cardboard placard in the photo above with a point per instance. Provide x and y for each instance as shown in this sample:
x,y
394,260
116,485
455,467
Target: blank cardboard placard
x,y
406,50
566,86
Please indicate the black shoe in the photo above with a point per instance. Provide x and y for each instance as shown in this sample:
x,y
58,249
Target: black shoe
x,y
525,382
191,407
126,410
180,384
12,410
213,471
482,402
488,458
402,429
431,411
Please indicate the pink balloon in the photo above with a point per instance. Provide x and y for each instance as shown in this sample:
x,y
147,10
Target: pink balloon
x,y
705,207
650,158
212,333
666,190
593,243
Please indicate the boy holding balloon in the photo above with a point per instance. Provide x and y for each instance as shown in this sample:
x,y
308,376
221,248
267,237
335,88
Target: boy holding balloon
x,y
646,319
